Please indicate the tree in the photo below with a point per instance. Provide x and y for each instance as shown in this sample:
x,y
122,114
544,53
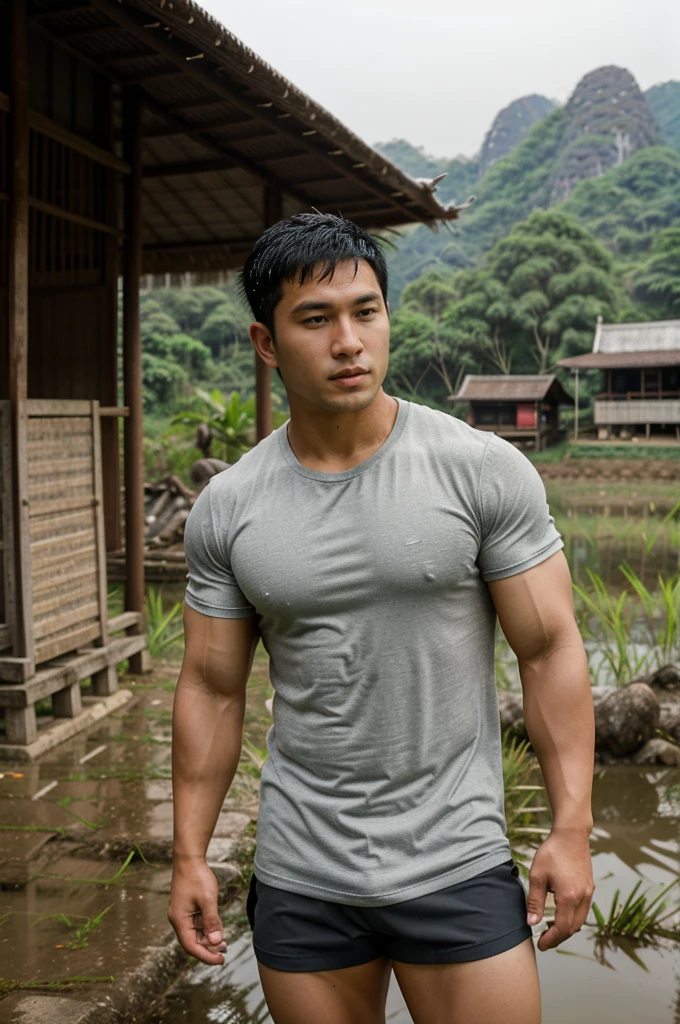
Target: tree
x,y
535,297
230,420
545,285
658,281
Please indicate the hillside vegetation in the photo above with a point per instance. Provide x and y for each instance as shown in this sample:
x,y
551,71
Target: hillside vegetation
x,y
580,218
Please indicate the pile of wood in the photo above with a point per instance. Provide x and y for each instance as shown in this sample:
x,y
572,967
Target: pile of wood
x,y
166,509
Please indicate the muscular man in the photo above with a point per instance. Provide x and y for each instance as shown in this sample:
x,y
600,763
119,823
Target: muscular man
x,y
372,543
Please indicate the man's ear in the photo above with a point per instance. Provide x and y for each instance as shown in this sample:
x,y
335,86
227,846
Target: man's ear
x,y
263,343
389,311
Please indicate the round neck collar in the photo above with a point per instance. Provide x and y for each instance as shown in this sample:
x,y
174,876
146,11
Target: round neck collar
x,y
361,467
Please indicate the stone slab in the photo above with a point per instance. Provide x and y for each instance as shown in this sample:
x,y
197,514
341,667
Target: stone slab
x,y
231,824
26,1008
220,850
19,852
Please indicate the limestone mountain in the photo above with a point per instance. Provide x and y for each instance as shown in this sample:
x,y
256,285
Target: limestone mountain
x,y
606,120
510,126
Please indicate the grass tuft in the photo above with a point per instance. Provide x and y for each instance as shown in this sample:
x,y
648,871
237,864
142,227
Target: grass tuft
x,y
638,917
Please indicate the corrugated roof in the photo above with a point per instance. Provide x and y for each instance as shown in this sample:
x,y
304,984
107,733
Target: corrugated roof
x,y
511,387
654,336
220,127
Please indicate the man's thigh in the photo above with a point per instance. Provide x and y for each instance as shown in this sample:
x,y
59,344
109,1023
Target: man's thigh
x,y
350,995
501,989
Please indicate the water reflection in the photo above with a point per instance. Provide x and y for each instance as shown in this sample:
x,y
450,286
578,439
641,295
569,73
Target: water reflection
x,y
636,812
613,524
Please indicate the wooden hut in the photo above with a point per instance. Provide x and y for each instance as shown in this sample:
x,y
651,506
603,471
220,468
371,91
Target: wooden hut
x,y
519,407
640,368
136,137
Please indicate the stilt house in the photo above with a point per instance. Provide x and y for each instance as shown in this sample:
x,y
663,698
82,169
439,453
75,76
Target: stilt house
x,y
519,407
640,367
136,137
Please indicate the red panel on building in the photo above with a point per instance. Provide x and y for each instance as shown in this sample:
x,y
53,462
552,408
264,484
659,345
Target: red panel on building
x,y
526,414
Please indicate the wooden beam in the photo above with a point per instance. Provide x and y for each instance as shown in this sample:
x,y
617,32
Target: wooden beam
x,y
45,126
73,218
273,211
17,307
132,364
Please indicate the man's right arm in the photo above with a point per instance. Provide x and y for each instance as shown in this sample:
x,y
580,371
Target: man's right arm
x,y
207,736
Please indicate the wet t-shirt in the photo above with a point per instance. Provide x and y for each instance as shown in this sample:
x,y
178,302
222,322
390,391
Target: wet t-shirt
x,y
368,586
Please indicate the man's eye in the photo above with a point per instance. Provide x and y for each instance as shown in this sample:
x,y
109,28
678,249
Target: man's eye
x,y
315,320
366,312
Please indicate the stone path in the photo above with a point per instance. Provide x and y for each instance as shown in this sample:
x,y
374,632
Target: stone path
x,y
85,853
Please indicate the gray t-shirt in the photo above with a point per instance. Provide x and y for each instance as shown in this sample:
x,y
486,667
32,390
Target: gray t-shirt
x,y
384,778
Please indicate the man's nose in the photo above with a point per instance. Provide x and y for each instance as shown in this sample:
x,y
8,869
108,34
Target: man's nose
x,y
346,340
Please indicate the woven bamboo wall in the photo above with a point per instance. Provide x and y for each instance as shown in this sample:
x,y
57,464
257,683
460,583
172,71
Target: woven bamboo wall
x,y
66,531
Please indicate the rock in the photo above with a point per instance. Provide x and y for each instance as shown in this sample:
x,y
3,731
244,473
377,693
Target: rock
x,y
626,719
511,711
658,751
669,720
665,678
601,693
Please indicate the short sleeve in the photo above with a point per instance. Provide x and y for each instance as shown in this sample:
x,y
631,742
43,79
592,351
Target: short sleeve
x,y
517,530
212,588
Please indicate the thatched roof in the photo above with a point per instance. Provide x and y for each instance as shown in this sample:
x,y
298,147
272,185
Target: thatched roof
x,y
512,387
653,343
220,126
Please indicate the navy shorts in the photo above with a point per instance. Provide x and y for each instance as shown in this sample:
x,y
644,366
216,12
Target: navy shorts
x,y
472,920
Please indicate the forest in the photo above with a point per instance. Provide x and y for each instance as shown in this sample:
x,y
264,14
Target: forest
x,y
576,215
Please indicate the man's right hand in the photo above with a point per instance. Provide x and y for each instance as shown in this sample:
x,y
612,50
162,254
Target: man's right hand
x,y
193,911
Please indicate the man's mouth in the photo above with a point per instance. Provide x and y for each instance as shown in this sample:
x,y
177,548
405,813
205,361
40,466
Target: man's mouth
x,y
350,375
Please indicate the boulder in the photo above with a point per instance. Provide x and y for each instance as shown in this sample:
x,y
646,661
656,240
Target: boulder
x,y
511,711
665,678
626,719
658,751
669,720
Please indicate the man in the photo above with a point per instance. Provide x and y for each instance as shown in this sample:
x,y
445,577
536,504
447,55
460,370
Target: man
x,y
371,543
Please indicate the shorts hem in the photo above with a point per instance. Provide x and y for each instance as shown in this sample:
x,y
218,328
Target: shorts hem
x,y
328,962
466,954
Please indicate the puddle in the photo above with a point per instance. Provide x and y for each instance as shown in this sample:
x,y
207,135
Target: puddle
x,y
637,813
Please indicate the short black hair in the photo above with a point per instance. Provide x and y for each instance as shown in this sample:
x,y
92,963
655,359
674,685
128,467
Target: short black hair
x,y
295,248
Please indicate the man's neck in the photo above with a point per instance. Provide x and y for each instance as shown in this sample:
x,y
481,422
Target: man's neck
x,y
332,443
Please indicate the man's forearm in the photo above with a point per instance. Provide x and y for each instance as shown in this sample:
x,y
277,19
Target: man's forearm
x,y
558,713
207,737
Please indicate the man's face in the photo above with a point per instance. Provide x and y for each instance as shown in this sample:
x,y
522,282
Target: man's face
x,y
332,339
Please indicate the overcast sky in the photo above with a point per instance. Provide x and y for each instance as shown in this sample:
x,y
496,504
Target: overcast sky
x,y
436,72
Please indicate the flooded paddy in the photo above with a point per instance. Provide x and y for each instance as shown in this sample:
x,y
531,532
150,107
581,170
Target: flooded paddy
x,y
636,813
636,836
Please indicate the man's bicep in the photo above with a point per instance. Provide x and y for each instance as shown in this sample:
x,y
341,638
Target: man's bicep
x,y
535,608
218,652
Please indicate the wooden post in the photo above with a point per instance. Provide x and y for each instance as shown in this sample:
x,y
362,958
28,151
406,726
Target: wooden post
x,y
108,358
132,367
537,427
576,405
263,399
18,327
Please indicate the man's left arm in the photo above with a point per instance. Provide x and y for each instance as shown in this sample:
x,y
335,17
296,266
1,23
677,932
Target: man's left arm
x,y
536,612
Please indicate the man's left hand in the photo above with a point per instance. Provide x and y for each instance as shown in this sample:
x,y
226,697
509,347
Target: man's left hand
x,y
562,866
